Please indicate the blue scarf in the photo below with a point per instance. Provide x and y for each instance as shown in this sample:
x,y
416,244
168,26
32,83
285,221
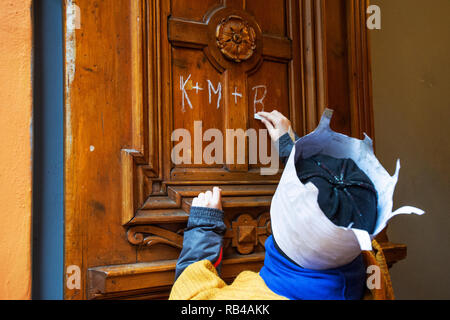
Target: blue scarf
x,y
287,279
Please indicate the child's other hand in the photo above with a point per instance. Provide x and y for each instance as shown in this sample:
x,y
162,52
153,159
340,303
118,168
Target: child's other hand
x,y
276,123
209,199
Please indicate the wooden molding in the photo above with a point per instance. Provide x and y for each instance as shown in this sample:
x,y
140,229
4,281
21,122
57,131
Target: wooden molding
x,y
314,60
154,279
360,81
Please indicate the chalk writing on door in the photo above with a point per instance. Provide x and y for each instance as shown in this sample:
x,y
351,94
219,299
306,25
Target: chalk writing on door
x,y
215,95
217,91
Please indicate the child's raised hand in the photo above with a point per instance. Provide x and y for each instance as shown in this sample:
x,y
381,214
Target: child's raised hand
x,y
209,199
276,123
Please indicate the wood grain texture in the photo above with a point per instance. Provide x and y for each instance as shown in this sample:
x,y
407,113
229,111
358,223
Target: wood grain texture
x,y
153,280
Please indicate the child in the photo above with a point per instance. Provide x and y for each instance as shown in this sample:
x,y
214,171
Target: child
x,y
332,199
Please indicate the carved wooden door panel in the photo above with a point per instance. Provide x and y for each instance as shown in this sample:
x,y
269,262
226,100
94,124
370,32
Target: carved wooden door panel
x,y
220,63
160,103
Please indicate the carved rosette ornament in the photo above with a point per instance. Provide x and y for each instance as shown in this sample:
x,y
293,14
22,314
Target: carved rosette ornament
x,y
236,39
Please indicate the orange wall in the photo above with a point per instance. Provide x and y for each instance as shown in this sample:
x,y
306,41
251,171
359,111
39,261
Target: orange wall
x,y
15,149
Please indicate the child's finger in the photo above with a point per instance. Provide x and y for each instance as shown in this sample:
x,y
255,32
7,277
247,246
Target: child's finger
x,y
272,131
201,200
217,197
208,196
272,117
278,114
268,125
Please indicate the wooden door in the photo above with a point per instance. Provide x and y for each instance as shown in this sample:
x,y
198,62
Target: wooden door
x,y
139,70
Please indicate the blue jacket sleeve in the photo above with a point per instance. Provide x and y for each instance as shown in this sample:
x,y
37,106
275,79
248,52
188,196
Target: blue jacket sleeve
x,y
203,238
285,145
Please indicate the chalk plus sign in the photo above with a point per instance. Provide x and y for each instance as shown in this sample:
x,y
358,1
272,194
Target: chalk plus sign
x,y
197,88
236,94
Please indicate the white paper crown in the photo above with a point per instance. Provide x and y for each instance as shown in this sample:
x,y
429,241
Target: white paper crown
x,y
301,229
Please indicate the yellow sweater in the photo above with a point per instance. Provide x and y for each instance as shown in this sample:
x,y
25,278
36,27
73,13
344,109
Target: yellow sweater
x,y
200,281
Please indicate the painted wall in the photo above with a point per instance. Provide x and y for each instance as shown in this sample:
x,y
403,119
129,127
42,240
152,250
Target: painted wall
x,y
411,81
15,148
48,152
